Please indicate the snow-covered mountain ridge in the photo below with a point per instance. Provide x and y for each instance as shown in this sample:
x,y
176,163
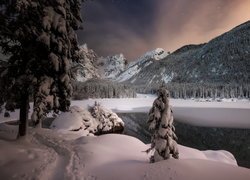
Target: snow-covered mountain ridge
x,y
145,60
113,67
92,66
86,68
224,59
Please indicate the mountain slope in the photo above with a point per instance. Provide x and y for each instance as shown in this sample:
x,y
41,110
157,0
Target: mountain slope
x,y
145,60
91,66
225,59
111,66
86,68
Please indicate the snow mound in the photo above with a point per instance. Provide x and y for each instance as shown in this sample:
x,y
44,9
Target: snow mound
x,y
69,120
220,156
94,121
123,157
46,154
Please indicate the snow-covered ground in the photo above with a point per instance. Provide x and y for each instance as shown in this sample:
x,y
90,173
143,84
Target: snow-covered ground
x,y
47,154
231,114
52,154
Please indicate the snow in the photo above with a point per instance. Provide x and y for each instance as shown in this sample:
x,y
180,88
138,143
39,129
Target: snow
x,y
156,54
128,73
48,154
83,122
62,154
165,77
68,120
123,157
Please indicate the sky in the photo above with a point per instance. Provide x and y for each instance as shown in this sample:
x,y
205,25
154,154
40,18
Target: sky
x,y
133,27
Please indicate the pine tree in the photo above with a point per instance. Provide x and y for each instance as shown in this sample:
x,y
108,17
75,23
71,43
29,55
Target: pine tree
x,y
39,38
160,121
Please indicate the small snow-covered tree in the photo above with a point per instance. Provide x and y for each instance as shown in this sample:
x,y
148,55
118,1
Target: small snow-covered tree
x,y
108,122
160,121
39,38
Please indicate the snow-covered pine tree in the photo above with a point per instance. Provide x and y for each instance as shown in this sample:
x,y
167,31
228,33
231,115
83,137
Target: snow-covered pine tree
x,y
160,121
39,37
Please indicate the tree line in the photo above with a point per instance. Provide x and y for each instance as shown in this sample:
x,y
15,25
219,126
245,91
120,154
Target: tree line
x,y
99,88
201,90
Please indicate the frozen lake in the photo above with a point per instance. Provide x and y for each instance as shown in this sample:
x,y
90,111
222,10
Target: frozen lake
x,y
199,113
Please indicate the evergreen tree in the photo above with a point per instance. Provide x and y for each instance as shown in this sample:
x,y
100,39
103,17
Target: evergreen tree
x,y
161,123
39,38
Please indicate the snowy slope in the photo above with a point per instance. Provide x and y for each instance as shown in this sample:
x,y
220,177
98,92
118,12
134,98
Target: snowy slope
x,y
47,154
145,60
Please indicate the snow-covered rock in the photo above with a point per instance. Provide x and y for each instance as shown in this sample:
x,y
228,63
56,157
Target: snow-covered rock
x,y
86,68
94,121
111,66
156,54
92,66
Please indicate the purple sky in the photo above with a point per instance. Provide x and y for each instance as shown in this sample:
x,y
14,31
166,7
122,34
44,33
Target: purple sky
x,y
133,27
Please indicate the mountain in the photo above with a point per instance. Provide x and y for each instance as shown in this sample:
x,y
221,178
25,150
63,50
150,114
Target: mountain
x,y
87,67
91,66
110,67
224,59
141,63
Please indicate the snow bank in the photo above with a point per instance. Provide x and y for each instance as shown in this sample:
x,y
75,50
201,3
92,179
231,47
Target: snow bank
x,y
124,157
45,154
86,122
71,120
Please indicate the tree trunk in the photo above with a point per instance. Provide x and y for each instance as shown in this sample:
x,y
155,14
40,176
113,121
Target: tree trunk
x,y
24,111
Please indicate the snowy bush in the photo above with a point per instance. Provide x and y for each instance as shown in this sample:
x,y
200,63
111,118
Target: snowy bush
x,y
94,121
108,121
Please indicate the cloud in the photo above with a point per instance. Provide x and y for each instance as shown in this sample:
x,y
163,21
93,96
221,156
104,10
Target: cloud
x,y
134,27
181,22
